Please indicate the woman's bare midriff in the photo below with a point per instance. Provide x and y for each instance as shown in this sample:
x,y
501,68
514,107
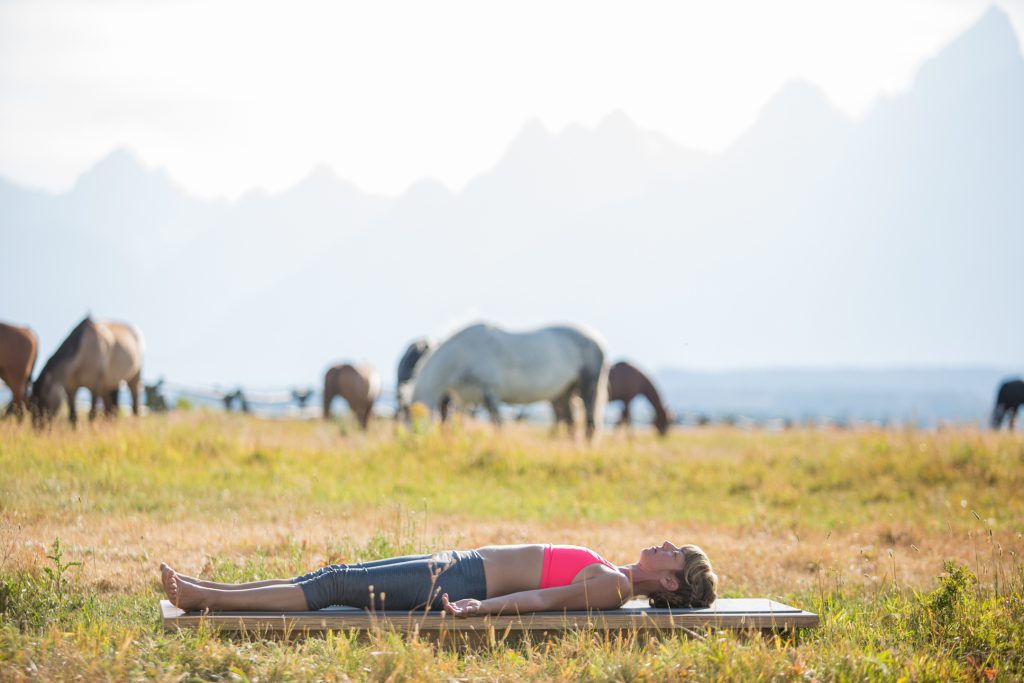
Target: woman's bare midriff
x,y
512,568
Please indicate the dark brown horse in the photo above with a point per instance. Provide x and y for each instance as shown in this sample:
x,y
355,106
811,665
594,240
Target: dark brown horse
x,y
1008,400
18,348
625,382
359,385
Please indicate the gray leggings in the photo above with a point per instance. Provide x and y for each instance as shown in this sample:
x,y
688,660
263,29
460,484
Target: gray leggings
x,y
397,583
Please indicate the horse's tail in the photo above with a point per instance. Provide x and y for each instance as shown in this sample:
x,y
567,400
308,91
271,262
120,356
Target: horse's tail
x,y
32,361
602,393
141,340
373,388
594,375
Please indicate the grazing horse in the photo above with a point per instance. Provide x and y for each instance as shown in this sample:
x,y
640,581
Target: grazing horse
x,y
406,369
485,365
18,348
625,382
359,385
97,356
1008,400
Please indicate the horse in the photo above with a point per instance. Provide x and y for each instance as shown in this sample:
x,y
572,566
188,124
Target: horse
x,y
18,348
483,364
625,382
414,353
155,400
97,356
1009,398
359,385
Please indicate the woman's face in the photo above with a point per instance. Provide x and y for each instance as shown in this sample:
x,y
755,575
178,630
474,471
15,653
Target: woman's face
x,y
664,557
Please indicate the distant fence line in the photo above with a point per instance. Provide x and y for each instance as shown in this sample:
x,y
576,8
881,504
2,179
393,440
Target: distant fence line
x,y
281,402
301,397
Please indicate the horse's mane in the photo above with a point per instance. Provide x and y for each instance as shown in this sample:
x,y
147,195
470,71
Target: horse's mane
x,y
411,358
68,348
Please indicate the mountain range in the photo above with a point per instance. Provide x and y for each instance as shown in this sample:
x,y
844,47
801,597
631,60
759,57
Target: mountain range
x,y
814,240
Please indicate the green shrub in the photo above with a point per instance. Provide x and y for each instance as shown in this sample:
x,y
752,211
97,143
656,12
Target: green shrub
x,y
33,600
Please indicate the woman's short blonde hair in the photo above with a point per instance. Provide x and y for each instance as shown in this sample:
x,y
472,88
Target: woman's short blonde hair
x,y
698,583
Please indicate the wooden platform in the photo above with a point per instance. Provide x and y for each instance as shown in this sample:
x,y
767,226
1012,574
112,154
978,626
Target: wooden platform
x,y
745,613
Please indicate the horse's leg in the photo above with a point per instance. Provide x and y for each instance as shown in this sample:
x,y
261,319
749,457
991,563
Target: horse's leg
x,y
1013,418
588,391
133,387
626,419
110,403
491,403
17,396
94,404
445,407
72,413
558,412
20,401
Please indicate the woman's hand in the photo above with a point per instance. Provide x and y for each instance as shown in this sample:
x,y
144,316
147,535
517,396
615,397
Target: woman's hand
x,y
466,607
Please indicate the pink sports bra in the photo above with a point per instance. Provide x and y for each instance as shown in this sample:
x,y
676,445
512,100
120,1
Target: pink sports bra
x,y
563,562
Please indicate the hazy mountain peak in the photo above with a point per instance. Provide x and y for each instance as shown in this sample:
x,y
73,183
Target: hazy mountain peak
x,y
990,46
321,172
122,173
428,189
322,181
992,33
533,132
617,121
320,176
799,111
800,96
120,166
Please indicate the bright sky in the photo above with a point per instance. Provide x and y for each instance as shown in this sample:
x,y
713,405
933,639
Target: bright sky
x,y
233,95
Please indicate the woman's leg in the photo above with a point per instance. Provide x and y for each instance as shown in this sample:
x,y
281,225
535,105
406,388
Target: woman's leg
x,y
165,572
360,565
412,584
191,597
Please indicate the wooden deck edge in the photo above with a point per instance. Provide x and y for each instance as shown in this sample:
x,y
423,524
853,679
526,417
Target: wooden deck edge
x,y
174,618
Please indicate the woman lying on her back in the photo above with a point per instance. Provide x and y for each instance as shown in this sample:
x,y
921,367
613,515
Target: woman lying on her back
x,y
496,579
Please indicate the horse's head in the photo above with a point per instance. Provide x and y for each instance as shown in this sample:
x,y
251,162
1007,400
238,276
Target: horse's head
x,y
45,399
662,420
998,413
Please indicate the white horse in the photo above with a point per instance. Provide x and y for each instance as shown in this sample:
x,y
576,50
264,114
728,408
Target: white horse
x,y
485,365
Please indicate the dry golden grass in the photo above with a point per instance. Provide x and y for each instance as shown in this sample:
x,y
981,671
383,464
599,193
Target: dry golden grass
x,y
764,553
802,516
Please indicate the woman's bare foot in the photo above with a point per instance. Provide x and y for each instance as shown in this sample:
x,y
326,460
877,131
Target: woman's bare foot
x,y
183,594
165,577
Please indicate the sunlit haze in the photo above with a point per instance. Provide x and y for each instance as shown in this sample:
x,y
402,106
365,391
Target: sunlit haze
x,y
234,95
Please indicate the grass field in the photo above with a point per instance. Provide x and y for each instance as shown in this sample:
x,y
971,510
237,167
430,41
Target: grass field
x,y
907,543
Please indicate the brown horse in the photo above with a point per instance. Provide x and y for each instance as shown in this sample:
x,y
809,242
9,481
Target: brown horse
x,y
18,348
97,356
359,385
1008,400
625,382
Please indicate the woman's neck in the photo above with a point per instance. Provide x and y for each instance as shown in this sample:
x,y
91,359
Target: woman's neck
x,y
644,582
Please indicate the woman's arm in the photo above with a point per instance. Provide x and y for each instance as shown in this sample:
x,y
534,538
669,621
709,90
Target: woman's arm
x,y
606,591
